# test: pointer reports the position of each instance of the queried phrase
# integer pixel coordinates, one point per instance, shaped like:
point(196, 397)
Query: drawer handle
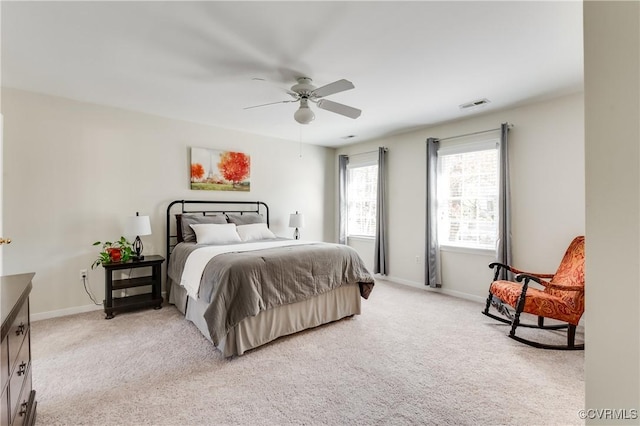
point(23, 408)
point(20, 329)
point(22, 368)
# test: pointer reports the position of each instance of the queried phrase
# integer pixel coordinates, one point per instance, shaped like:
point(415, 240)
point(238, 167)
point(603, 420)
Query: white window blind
point(468, 195)
point(362, 187)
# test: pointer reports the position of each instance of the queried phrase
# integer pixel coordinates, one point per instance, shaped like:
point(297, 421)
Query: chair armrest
point(547, 284)
point(518, 271)
point(534, 274)
point(507, 267)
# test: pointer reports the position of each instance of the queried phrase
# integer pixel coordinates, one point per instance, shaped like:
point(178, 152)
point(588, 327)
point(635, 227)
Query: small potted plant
point(116, 251)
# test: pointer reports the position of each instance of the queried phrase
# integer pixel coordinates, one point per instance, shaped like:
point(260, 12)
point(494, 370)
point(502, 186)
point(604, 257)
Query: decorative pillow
point(245, 218)
point(255, 231)
point(213, 233)
point(185, 220)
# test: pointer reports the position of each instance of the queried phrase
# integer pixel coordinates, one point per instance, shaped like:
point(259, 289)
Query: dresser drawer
point(20, 378)
point(25, 410)
point(17, 332)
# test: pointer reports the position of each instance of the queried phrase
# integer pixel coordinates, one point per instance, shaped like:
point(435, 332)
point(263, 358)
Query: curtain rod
point(474, 133)
point(367, 152)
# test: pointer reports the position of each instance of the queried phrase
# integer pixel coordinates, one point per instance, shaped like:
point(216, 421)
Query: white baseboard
point(397, 280)
point(421, 286)
point(71, 311)
point(64, 312)
point(461, 295)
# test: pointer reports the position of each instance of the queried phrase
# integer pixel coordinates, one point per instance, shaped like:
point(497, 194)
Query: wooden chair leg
point(519, 309)
point(571, 336)
point(486, 308)
point(515, 323)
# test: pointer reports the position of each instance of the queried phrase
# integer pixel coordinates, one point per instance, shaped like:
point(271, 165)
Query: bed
point(243, 287)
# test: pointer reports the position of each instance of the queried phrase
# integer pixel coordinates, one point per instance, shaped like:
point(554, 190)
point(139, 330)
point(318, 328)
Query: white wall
point(547, 187)
point(74, 171)
point(612, 111)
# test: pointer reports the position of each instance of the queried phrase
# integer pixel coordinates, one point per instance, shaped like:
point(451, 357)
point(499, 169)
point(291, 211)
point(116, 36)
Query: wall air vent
point(475, 104)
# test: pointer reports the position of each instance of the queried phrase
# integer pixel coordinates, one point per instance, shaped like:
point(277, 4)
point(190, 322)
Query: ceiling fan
point(304, 91)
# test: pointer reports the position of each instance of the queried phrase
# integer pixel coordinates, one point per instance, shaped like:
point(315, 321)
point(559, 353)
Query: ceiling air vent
point(475, 104)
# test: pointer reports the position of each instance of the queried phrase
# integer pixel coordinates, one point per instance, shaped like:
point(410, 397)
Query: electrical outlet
point(417, 259)
point(83, 274)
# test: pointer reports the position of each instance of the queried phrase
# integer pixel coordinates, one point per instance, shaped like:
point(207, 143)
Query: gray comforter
point(239, 285)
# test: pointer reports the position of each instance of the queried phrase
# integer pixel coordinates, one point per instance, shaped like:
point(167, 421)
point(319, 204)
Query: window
point(362, 187)
point(468, 195)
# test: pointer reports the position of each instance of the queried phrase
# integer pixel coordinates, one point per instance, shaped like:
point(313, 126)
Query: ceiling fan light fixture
point(304, 115)
point(304, 91)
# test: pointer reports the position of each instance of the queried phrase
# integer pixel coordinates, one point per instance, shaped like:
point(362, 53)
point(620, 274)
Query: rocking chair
point(562, 297)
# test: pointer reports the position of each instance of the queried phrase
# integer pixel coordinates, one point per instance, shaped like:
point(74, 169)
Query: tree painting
point(216, 170)
point(197, 171)
point(234, 166)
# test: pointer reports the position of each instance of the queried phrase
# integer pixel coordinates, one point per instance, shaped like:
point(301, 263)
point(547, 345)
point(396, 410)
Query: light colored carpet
point(412, 357)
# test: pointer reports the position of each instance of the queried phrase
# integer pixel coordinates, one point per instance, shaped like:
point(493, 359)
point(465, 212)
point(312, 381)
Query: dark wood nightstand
point(143, 300)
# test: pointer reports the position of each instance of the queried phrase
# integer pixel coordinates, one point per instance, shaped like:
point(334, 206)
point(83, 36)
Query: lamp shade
point(304, 115)
point(138, 225)
point(296, 220)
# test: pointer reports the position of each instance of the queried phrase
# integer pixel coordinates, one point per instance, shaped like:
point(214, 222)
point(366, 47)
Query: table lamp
point(296, 220)
point(138, 225)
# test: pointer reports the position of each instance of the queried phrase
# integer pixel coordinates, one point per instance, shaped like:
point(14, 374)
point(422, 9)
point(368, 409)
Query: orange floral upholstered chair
point(561, 298)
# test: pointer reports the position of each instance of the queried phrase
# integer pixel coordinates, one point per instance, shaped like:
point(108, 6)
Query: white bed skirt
point(273, 323)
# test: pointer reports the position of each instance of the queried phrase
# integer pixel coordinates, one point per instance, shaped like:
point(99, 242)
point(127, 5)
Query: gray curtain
point(380, 254)
point(343, 161)
point(431, 260)
point(503, 249)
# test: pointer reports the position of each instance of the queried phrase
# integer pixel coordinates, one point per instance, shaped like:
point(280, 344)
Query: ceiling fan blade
point(261, 80)
point(294, 95)
point(270, 103)
point(341, 109)
point(331, 88)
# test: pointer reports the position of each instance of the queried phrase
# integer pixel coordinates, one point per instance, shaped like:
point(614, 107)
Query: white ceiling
point(412, 63)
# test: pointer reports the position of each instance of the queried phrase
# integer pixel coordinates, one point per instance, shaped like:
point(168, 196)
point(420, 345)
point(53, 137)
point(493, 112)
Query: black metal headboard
point(211, 207)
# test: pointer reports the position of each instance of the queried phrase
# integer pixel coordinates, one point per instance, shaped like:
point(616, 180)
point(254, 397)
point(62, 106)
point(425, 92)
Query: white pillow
point(255, 231)
point(214, 233)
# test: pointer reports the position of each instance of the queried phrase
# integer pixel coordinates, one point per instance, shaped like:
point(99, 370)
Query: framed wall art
point(216, 170)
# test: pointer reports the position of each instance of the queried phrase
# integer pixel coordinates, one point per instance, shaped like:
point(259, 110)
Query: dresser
point(18, 405)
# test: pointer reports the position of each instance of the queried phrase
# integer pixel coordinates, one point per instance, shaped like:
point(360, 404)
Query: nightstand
point(142, 300)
